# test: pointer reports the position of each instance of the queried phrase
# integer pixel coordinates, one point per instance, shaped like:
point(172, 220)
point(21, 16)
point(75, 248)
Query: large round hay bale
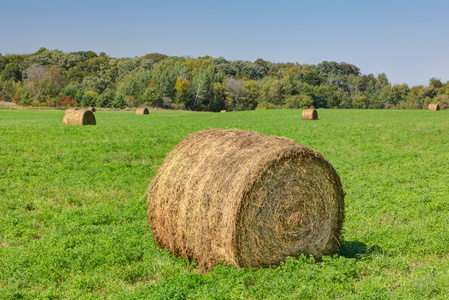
point(309, 114)
point(245, 199)
point(74, 116)
point(434, 107)
point(142, 111)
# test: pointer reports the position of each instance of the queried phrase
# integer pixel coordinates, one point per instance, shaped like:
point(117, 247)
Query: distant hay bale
point(223, 110)
point(309, 114)
point(75, 116)
point(142, 111)
point(434, 107)
point(92, 109)
point(245, 199)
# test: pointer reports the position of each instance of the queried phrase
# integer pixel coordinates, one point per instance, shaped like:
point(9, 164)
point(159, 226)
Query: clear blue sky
point(406, 39)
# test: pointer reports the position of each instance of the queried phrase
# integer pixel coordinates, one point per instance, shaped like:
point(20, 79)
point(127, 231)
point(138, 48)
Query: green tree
point(399, 95)
point(261, 62)
point(298, 101)
point(96, 84)
point(219, 98)
point(386, 97)
point(251, 94)
point(359, 101)
point(328, 69)
point(382, 79)
point(87, 100)
point(435, 82)
point(276, 94)
point(312, 78)
point(119, 102)
point(11, 71)
point(105, 100)
point(201, 88)
point(151, 97)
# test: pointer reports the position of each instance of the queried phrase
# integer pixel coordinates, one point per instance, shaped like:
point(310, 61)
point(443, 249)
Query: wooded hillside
point(57, 79)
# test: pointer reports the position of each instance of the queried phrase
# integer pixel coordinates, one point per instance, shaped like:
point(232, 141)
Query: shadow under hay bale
point(142, 111)
point(434, 107)
point(245, 199)
point(75, 116)
point(309, 114)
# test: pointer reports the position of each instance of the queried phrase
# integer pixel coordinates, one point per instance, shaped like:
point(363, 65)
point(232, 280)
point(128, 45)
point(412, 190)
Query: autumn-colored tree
point(43, 80)
point(155, 56)
point(182, 89)
point(261, 62)
point(349, 69)
point(199, 63)
point(66, 101)
point(203, 83)
point(292, 70)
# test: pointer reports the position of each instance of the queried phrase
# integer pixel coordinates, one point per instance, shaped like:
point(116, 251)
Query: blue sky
point(407, 40)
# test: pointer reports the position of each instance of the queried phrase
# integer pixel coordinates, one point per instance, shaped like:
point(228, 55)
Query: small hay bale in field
point(92, 109)
point(142, 111)
point(245, 199)
point(434, 107)
point(309, 114)
point(224, 110)
point(75, 116)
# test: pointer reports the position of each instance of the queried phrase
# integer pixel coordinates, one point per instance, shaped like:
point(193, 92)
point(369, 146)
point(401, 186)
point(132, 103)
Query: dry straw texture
point(142, 111)
point(434, 107)
point(309, 114)
point(74, 116)
point(245, 199)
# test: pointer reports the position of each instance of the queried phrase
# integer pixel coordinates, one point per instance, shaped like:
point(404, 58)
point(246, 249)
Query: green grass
point(73, 207)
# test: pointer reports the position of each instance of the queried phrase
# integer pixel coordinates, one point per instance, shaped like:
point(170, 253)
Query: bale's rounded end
point(301, 202)
point(75, 116)
point(245, 199)
point(142, 111)
point(309, 114)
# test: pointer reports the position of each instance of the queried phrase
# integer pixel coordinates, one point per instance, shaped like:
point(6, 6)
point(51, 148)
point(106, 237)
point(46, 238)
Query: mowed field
point(73, 207)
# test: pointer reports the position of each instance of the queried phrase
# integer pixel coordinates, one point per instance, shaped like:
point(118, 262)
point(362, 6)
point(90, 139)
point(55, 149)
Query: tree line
point(54, 78)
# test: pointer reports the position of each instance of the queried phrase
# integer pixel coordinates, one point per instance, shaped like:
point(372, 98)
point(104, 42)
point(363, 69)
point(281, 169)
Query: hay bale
point(245, 199)
point(434, 107)
point(223, 111)
point(142, 111)
point(309, 114)
point(75, 116)
point(92, 109)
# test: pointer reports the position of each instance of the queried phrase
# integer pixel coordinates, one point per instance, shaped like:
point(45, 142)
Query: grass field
point(73, 207)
